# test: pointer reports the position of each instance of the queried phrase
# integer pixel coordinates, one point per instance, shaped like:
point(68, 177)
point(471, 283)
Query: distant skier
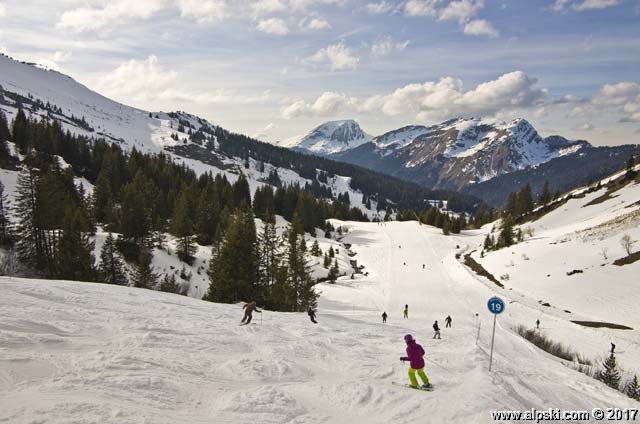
point(538, 324)
point(406, 311)
point(613, 348)
point(404, 263)
point(415, 352)
point(384, 317)
point(447, 321)
point(436, 329)
point(312, 315)
point(422, 266)
point(248, 311)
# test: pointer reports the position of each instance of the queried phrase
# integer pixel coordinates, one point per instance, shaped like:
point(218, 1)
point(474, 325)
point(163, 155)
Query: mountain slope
point(199, 144)
point(331, 137)
point(460, 152)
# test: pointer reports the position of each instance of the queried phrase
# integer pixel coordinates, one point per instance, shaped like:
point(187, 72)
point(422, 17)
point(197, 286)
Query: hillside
point(330, 138)
point(121, 364)
point(195, 142)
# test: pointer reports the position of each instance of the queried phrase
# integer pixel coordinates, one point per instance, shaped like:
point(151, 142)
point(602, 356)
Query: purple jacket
point(415, 352)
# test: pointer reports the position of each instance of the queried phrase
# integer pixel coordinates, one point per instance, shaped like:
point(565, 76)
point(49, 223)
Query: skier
point(613, 348)
point(384, 317)
point(406, 311)
point(422, 266)
point(415, 352)
point(436, 329)
point(248, 311)
point(538, 324)
point(312, 315)
point(404, 263)
point(447, 321)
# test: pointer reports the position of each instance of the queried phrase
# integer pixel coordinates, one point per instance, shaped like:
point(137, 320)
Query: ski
point(408, 386)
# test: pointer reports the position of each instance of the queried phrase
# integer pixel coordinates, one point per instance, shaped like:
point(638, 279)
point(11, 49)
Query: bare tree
point(604, 251)
point(627, 243)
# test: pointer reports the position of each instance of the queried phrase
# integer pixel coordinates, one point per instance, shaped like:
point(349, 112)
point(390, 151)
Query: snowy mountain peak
point(333, 137)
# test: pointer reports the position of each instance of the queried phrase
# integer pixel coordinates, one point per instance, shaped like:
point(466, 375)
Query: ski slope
point(79, 352)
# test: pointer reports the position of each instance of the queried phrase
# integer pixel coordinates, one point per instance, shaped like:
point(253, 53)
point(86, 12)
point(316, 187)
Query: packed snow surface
point(83, 353)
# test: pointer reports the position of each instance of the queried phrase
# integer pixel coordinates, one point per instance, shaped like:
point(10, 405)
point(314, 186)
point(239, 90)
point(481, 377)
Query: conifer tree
point(315, 249)
point(143, 275)
point(111, 269)
point(299, 279)
point(5, 219)
point(29, 244)
point(270, 258)
point(545, 195)
point(327, 261)
point(21, 132)
point(610, 375)
point(633, 388)
point(332, 253)
point(505, 239)
point(334, 272)
point(183, 228)
point(5, 134)
point(74, 259)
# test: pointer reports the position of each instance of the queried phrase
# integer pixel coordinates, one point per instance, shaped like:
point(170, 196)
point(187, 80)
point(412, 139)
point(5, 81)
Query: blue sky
point(276, 68)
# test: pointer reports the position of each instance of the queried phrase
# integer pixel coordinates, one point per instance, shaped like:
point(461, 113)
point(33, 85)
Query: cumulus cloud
point(584, 127)
point(387, 46)
point(339, 56)
point(480, 27)
point(318, 23)
point(203, 11)
point(463, 11)
point(275, 26)
point(624, 97)
point(110, 13)
point(433, 100)
point(3, 10)
point(326, 105)
point(379, 8)
point(264, 7)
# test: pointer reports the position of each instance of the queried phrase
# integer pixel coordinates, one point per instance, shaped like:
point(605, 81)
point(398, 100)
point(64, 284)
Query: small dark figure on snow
point(384, 317)
point(406, 311)
point(404, 263)
point(447, 321)
point(613, 348)
point(538, 324)
point(248, 311)
point(422, 266)
point(312, 315)
point(436, 329)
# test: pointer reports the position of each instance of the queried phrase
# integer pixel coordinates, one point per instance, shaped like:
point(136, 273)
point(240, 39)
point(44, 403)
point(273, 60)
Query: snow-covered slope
point(77, 352)
point(331, 137)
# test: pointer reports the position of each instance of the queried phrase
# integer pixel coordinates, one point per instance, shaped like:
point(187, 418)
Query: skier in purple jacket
point(415, 352)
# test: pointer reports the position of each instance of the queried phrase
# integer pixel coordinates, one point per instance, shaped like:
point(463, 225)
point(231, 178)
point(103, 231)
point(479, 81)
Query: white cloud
point(594, 4)
point(581, 6)
point(623, 97)
point(338, 55)
point(480, 27)
point(421, 8)
point(275, 26)
point(3, 10)
point(326, 105)
point(462, 10)
point(387, 46)
point(203, 11)
point(111, 13)
point(318, 23)
point(264, 7)
point(61, 56)
point(584, 127)
point(379, 8)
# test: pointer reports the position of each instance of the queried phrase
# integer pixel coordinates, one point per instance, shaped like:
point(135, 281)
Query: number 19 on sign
point(496, 306)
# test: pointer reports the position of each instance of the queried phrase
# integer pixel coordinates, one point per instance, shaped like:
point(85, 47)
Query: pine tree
point(505, 239)
point(5, 219)
point(332, 253)
point(488, 243)
point(633, 388)
point(235, 268)
point(334, 272)
point(29, 244)
point(183, 228)
point(269, 259)
point(74, 258)
point(21, 134)
point(111, 268)
point(631, 163)
point(315, 249)
point(610, 375)
point(143, 275)
point(545, 195)
point(299, 279)
point(327, 261)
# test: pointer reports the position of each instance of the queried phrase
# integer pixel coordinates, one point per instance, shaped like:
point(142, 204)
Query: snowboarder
point(312, 315)
point(613, 348)
point(406, 311)
point(447, 321)
point(248, 311)
point(436, 329)
point(384, 317)
point(415, 352)
point(538, 324)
